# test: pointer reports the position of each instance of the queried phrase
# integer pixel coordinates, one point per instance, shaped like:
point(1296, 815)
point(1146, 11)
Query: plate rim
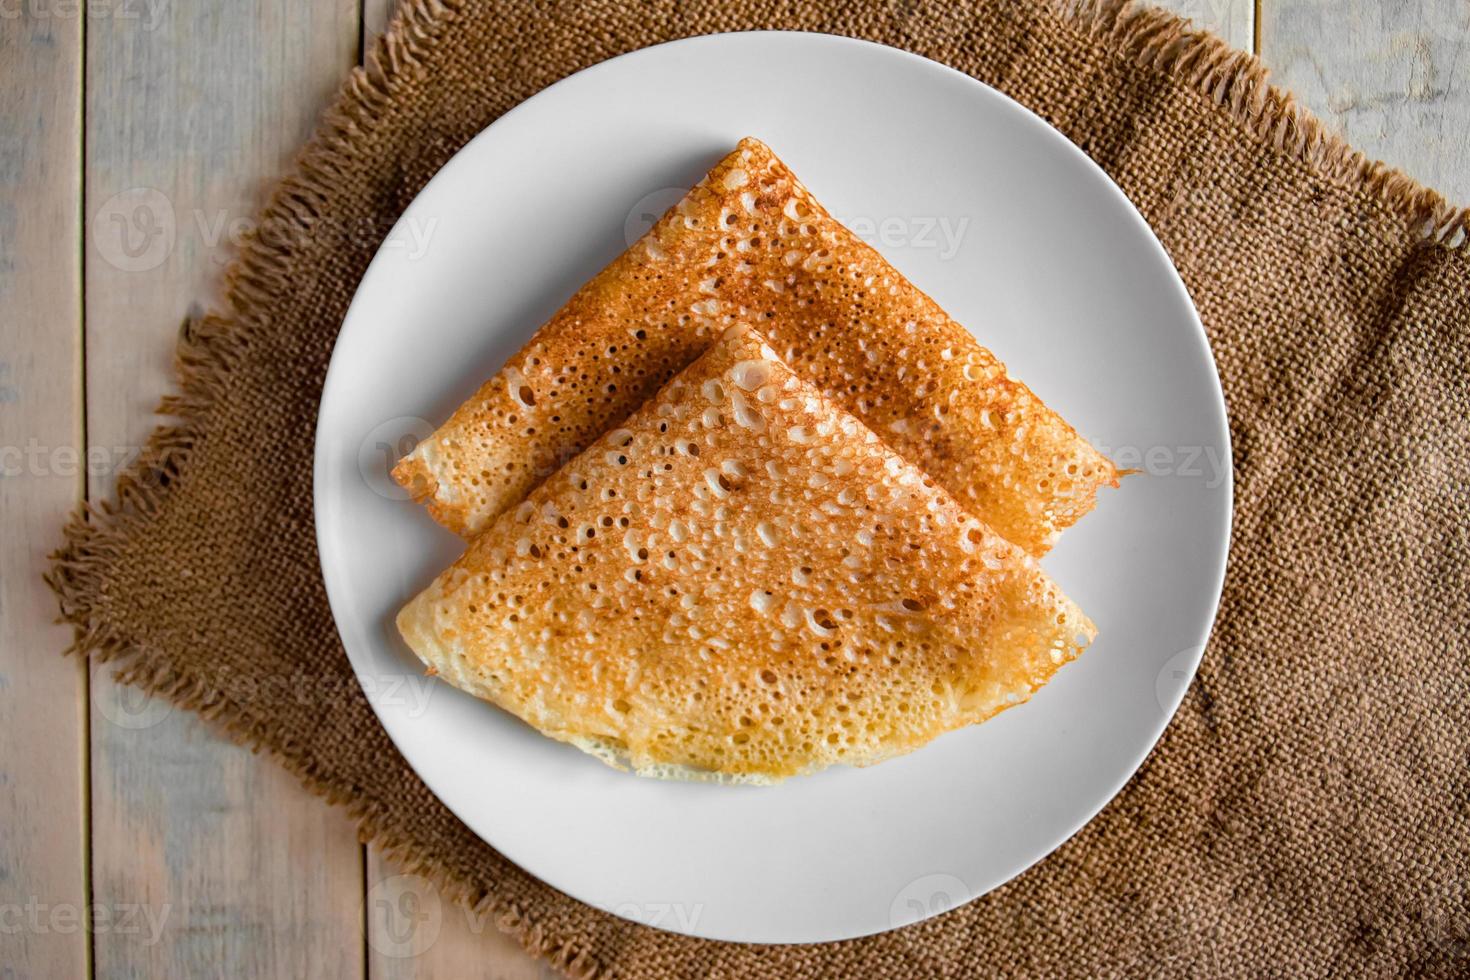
point(1193, 326)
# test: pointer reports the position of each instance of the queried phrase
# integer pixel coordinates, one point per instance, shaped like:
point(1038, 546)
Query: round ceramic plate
point(1015, 233)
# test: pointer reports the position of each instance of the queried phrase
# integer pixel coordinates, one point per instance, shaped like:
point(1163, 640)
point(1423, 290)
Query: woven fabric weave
point(1307, 811)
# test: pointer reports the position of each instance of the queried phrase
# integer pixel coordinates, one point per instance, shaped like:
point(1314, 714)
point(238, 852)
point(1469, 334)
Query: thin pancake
point(750, 244)
point(743, 583)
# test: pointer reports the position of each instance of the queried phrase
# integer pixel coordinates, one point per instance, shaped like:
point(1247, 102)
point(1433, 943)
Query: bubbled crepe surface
point(1307, 809)
point(741, 581)
point(750, 244)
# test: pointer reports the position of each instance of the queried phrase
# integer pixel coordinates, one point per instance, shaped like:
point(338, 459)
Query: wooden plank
point(191, 111)
point(43, 877)
point(1393, 78)
point(1234, 20)
point(414, 932)
point(375, 17)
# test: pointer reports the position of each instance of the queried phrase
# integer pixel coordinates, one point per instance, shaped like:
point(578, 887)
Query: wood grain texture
point(43, 835)
point(414, 933)
point(192, 111)
point(375, 17)
point(1392, 77)
point(1234, 20)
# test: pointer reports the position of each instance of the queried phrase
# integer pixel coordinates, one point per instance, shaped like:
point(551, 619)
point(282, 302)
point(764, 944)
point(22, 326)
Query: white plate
point(1018, 235)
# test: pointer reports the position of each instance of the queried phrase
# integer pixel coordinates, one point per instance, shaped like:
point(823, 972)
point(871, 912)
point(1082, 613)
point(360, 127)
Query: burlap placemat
point(1309, 808)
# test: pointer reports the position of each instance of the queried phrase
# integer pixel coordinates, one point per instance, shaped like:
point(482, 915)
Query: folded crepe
point(749, 244)
point(742, 583)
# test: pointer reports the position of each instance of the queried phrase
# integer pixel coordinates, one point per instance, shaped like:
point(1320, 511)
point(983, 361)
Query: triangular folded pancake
point(743, 583)
point(749, 244)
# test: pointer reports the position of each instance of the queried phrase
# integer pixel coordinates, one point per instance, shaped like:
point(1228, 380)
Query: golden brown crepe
point(743, 583)
point(749, 244)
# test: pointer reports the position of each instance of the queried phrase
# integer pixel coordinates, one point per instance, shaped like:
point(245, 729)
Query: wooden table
point(199, 858)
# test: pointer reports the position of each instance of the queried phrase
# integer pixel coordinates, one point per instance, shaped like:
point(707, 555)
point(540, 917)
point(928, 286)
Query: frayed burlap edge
point(1239, 82)
point(1150, 39)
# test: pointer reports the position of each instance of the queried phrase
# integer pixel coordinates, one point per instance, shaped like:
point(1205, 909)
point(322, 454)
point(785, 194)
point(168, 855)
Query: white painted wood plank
point(192, 111)
point(1234, 20)
point(1393, 77)
point(43, 830)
